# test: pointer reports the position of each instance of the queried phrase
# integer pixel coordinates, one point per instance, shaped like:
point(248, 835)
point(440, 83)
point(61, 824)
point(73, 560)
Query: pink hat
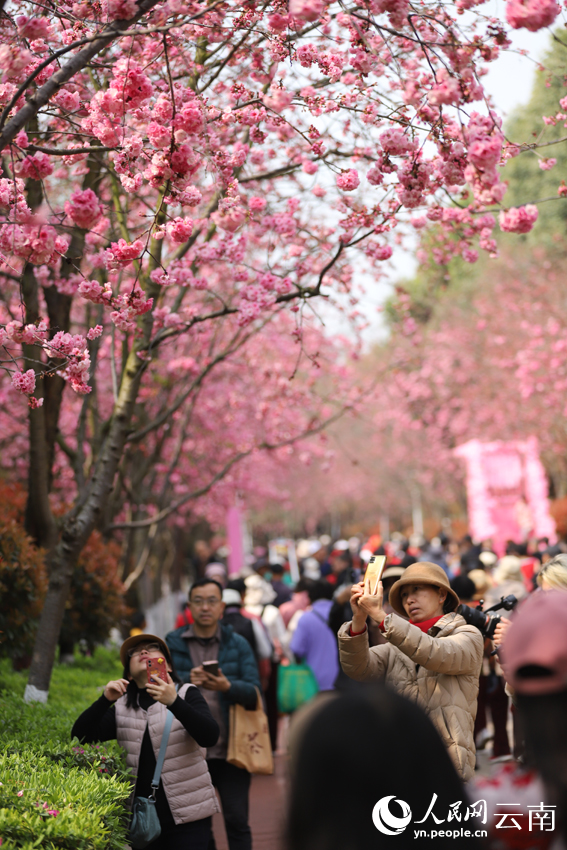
point(534, 651)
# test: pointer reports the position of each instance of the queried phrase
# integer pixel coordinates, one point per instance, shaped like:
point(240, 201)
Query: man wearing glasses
point(232, 679)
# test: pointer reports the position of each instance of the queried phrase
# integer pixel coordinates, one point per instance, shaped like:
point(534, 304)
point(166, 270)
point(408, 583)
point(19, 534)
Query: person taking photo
point(431, 655)
point(133, 711)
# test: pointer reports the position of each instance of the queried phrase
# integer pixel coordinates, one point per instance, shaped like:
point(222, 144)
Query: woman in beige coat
point(434, 659)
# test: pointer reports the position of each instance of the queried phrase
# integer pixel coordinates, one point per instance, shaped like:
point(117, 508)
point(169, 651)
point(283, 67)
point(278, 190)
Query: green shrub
point(23, 580)
point(65, 807)
point(95, 602)
point(73, 688)
point(56, 793)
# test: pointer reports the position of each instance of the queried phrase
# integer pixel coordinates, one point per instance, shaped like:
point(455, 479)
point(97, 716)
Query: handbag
point(249, 744)
point(296, 685)
point(145, 826)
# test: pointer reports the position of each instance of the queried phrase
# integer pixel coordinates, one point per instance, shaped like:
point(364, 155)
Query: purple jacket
point(314, 641)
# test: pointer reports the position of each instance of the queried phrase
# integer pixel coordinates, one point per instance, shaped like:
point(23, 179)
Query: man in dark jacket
point(235, 682)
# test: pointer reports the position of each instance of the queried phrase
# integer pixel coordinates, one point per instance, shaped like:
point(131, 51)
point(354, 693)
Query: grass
point(54, 793)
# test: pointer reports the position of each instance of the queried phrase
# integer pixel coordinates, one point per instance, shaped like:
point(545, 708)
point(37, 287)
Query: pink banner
point(506, 492)
point(235, 536)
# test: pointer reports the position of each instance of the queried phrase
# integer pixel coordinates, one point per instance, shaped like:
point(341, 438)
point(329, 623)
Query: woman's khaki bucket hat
point(133, 641)
point(423, 572)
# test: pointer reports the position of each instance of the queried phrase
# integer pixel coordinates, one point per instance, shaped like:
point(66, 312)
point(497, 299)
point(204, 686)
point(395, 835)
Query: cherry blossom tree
point(181, 177)
point(489, 363)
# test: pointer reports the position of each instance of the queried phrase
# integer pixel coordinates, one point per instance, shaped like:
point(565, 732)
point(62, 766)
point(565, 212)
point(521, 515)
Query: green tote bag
point(296, 685)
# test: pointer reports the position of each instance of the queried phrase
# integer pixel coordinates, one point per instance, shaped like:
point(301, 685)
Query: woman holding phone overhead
point(133, 710)
point(431, 655)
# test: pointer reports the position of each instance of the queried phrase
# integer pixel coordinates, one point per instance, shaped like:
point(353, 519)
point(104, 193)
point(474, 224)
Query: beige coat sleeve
point(358, 660)
point(457, 654)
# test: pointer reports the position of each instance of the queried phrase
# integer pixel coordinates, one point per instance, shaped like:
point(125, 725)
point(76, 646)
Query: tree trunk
point(78, 526)
point(39, 520)
point(45, 647)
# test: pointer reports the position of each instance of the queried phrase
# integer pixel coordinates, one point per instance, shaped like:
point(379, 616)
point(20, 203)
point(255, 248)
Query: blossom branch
point(166, 512)
point(94, 44)
point(235, 345)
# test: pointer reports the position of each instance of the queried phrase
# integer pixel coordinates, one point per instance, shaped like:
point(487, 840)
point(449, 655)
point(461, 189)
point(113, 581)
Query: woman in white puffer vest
point(133, 711)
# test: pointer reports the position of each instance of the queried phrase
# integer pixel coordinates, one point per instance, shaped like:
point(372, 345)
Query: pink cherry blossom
point(191, 196)
point(35, 167)
point(25, 383)
point(531, 14)
point(38, 245)
point(159, 136)
point(397, 10)
point(397, 142)
point(13, 60)
point(22, 139)
point(84, 208)
point(375, 175)
point(485, 152)
point(277, 99)
point(230, 219)
point(184, 161)
point(228, 114)
point(307, 10)
point(518, 219)
point(121, 253)
point(349, 180)
point(32, 28)
point(446, 91)
point(119, 10)
point(93, 291)
point(69, 101)
point(189, 118)
point(309, 167)
point(256, 204)
point(130, 86)
point(278, 22)
point(180, 229)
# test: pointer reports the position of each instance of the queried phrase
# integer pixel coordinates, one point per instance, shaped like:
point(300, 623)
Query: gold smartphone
point(374, 571)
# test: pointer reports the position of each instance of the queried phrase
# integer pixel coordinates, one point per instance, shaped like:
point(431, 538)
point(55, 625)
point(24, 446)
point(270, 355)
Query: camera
point(486, 621)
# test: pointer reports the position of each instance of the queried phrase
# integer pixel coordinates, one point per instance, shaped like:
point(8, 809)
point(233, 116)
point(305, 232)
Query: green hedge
point(55, 793)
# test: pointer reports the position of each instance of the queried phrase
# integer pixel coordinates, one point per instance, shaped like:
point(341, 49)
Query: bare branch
point(141, 565)
point(69, 151)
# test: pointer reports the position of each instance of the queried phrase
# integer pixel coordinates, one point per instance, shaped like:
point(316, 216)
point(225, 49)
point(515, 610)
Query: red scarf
point(426, 624)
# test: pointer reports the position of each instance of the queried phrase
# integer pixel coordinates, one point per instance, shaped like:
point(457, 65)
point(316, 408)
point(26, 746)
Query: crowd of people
point(415, 663)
